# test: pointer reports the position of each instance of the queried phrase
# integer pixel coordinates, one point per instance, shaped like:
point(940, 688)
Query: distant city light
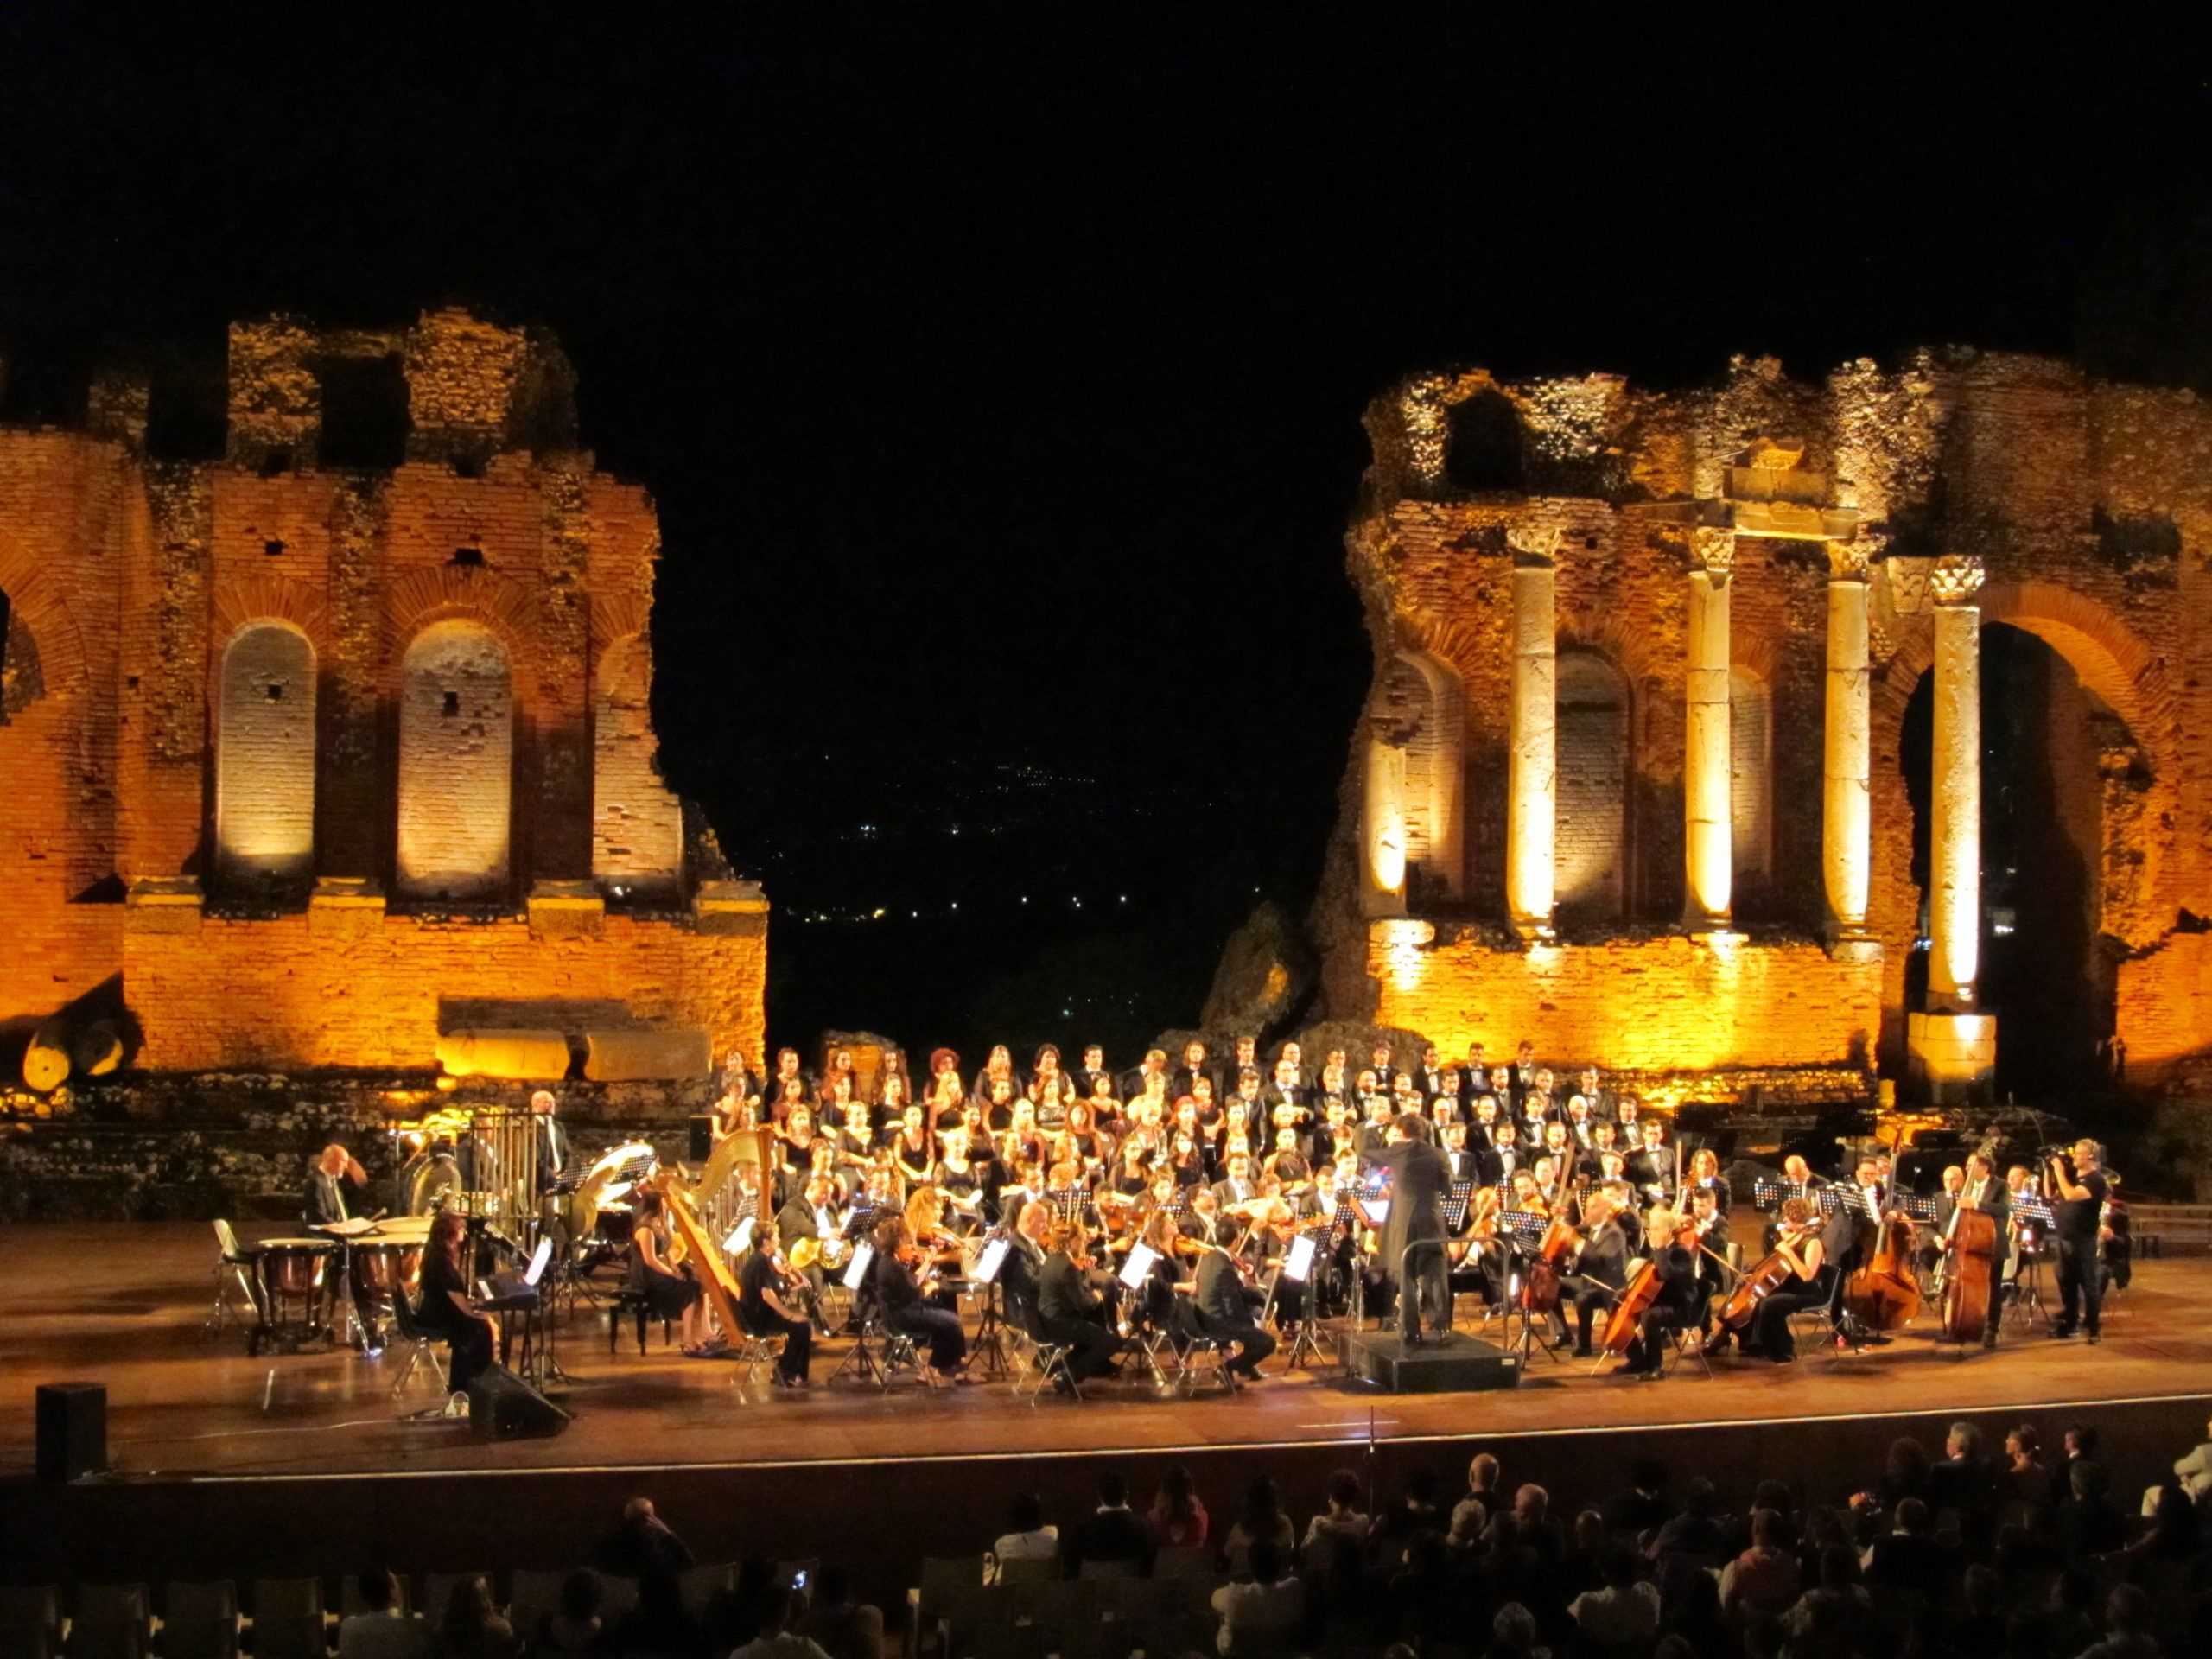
point(878, 912)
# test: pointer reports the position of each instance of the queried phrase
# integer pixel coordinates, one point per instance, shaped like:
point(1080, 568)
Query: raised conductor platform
point(1462, 1366)
point(311, 1454)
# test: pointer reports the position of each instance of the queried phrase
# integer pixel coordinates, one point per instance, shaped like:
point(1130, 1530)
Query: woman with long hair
point(913, 1148)
point(1050, 1089)
point(940, 1343)
point(658, 1272)
point(444, 1308)
point(997, 1069)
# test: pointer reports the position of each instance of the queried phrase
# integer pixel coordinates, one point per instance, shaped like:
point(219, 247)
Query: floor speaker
point(502, 1407)
point(72, 1430)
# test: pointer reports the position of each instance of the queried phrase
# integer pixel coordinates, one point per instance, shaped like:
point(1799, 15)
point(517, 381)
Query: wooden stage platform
point(196, 1422)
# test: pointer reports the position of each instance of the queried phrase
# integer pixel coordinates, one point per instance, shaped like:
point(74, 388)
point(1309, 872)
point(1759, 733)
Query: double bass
point(1972, 1236)
point(1884, 1294)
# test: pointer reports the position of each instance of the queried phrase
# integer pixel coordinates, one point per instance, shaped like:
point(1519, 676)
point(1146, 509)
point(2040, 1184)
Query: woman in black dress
point(658, 1272)
point(445, 1309)
point(936, 1330)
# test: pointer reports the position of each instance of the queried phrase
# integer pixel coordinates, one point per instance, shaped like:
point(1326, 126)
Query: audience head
point(380, 1590)
point(1482, 1473)
point(1113, 1490)
point(1344, 1489)
point(1025, 1513)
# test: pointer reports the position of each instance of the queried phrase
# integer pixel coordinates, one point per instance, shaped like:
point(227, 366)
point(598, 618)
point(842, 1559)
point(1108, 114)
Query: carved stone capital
point(1956, 579)
point(1850, 561)
point(1712, 549)
point(1532, 544)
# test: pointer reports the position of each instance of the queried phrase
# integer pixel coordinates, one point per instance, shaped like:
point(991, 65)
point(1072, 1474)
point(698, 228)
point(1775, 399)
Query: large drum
point(297, 1281)
point(382, 1271)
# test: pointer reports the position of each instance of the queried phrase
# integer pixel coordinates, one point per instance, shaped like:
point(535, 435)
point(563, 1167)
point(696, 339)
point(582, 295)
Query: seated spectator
point(660, 1623)
point(471, 1627)
point(1963, 1481)
point(1904, 1474)
point(1482, 1481)
point(1540, 1530)
point(1261, 1613)
point(1262, 1517)
point(1471, 1520)
point(1643, 1507)
point(1513, 1635)
point(2194, 1471)
point(1908, 1559)
point(643, 1543)
point(1622, 1616)
point(1979, 1627)
point(1579, 1569)
point(840, 1626)
point(1027, 1538)
point(777, 1640)
point(2027, 1476)
point(1342, 1519)
point(1111, 1533)
point(1695, 1533)
point(1416, 1512)
point(1177, 1518)
point(2089, 1522)
point(385, 1630)
point(2127, 1622)
point(575, 1625)
point(1835, 1610)
point(1762, 1582)
point(2071, 1617)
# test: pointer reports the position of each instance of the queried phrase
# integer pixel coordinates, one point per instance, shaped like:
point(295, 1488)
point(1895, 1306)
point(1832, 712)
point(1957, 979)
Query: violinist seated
point(768, 1303)
point(935, 1331)
point(1598, 1271)
point(1810, 1281)
point(1679, 1303)
point(1070, 1311)
point(659, 1274)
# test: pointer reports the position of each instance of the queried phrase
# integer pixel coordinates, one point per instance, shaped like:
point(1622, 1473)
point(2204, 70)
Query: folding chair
point(1048, 1360)
point(753, 1346)
point(421, 1343)
point(233, 1265)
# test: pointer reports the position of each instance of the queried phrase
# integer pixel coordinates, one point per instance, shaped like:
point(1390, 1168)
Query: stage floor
point(124, 1305)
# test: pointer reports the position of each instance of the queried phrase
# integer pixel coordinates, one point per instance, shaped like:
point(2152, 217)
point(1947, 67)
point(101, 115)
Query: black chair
point(420, 1342)
point(1048, 1360)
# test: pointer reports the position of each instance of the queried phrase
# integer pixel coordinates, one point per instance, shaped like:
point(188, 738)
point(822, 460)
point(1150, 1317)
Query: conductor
point(1413, 1237)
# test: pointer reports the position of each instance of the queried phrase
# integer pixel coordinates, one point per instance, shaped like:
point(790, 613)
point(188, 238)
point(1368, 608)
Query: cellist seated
point(1810, 1283)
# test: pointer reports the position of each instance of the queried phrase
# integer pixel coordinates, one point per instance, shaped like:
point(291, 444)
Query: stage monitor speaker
point(702, 1139)
point(502, 1407)
point(72, 1430)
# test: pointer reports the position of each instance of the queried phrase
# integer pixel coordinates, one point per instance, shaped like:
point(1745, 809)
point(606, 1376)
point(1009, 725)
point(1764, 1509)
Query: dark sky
point(998, 371)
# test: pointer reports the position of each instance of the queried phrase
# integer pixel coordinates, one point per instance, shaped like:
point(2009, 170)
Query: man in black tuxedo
point(1070, 1313)
point(334, 1187)
point(1023, 1270)
point(1225, 1313)
point(1600, 1267)
point(1413, 1238)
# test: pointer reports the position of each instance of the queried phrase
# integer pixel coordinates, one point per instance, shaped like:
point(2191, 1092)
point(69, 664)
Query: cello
point(1769, 1276)
point(1540, 1289)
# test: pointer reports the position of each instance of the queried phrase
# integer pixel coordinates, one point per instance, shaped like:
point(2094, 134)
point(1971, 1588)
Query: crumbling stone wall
point(2090, 505)
point(144, 597)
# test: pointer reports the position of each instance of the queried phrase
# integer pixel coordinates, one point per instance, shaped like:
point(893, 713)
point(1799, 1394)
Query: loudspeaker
point(702, 1139)
point(502, 1407)
point(72, 1430)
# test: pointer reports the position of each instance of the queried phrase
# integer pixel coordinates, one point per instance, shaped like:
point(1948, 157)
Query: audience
point(574, 1626)
point(1027, 1538)
point(1111, 1534)
point(1261, 1612)
point(385, 1630)
point(1177, 1518)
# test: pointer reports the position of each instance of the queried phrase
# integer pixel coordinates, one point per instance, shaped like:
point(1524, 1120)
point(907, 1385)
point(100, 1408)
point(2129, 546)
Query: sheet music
point(1298, 1262)
point(1142, 1257)
point(988, 1264)
point(1378, 1211)
point(856, 1269)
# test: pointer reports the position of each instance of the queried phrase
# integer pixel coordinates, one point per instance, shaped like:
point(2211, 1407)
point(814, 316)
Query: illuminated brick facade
point(1632, 781)
point(313, 753)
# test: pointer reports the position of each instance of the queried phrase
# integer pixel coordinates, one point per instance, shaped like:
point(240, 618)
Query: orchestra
point(1245, 1202)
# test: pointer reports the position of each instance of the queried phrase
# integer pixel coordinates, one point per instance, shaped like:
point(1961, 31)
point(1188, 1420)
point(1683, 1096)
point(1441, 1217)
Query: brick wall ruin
point(2084, 512)
point(304, 764)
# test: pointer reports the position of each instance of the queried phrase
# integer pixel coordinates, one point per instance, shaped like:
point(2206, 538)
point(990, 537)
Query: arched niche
point(264, 756)
point(1482, 449)
point(456, 763)
point(1590, 833)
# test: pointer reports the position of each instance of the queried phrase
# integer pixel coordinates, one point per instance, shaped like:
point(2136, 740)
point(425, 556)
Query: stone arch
point(266, 753)
point(2106, 655)
point(446, 593)
point(1484, 445)
point(1590, 839)
point(38, 613)
point(1418, 823)
point(637, 825)
point(456, 762)
point(268, 598)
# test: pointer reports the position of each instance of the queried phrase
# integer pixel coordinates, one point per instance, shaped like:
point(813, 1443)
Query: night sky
point(998, 371)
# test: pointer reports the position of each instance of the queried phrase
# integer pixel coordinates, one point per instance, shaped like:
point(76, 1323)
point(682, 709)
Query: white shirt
point(1249, 1609)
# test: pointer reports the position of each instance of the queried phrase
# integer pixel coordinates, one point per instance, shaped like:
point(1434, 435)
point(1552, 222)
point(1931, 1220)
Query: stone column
point(1954, 841)
point(1847, 818)
point(1533, 779)
point(1707, 803)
